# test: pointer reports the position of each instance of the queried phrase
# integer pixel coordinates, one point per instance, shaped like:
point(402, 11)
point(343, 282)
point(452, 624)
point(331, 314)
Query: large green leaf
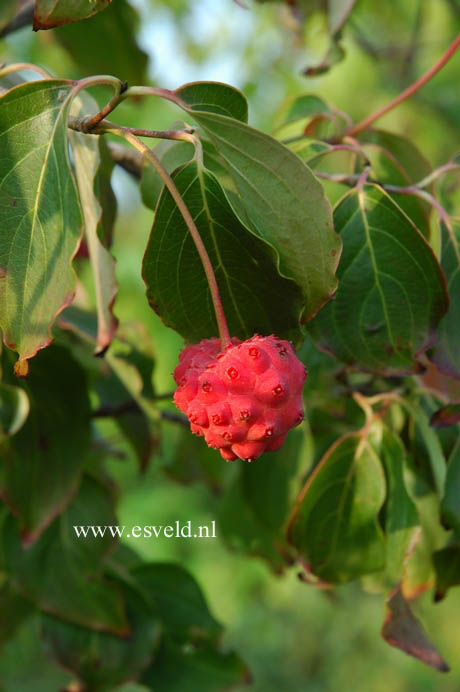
point(200, 668)
point(24, 664)
point(87, 158)
point(40, 218)
point(392, 291)
point(253, 511)
point(446, 353)
point(177, 598)
point(51, 13)
point(255, 297)
point(61, 572)
point(100, 659)
point(42, 463)
point(214, 97)
point(396, 160)
point(106, 44)
point(279, 200)
point(335, 524)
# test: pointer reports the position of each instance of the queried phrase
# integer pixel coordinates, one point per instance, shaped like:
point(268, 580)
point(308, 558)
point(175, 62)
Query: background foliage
point(379, 516)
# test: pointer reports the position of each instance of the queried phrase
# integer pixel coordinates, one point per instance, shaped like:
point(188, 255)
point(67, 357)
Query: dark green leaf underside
point(255, 297)
point(392, 292)
point(282, 202)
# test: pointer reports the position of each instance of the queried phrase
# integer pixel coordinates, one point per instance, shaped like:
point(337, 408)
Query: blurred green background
point(292, 636)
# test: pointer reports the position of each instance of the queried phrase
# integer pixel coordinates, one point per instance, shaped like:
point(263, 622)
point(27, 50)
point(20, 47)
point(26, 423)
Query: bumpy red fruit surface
point(242, 400)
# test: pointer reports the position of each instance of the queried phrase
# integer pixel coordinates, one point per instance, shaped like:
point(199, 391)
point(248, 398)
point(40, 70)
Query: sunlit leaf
point(87, 158)
point(335, 524)
point(41, 223)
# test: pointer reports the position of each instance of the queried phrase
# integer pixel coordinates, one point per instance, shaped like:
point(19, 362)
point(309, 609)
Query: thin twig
point(367, 122)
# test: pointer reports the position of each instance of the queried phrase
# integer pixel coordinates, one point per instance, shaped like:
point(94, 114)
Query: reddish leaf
point(445, 416)
point(402, 630)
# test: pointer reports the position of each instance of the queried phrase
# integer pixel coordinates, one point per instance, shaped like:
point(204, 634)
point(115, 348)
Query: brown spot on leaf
point(3, 272)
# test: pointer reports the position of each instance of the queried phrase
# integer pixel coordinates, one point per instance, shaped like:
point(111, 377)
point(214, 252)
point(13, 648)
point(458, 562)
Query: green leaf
point(200, 668)
point(397, 161)
point(14, 609)
point(60, 573)
point(335, 524)
point(281, 201)
point(252, 513)
point(402, 526)
point(100, 659)
point(42, 463)
point(418, 574)
point(51, 13)
point(404, 631)
point(87, 158)
point(303, 107)
point(447, 567)
point(40, 218)
point(445, 416)
point(450, 505)
point(177, 598)
point(254, 296)
point(24, 665)
point(446, 353)
point(14, 409)
point(214, 97)
point(338, 13)
point(392, 292)
point(107, 44)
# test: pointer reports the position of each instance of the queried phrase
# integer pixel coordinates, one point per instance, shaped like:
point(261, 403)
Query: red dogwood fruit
point(242, 400)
